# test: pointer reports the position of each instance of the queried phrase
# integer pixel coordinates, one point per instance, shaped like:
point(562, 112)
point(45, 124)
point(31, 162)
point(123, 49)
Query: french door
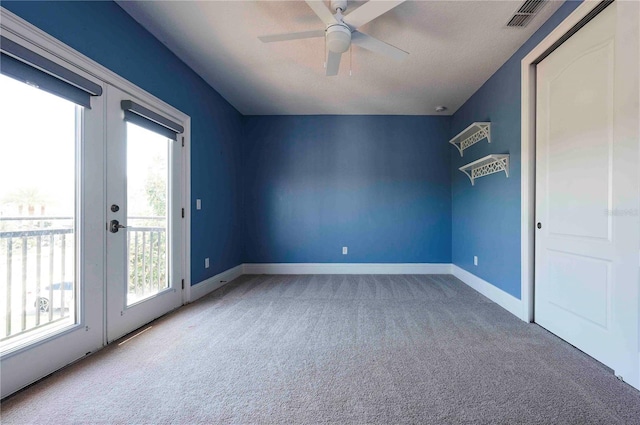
point(92, 179)
point(51, 238)
point(144, 214)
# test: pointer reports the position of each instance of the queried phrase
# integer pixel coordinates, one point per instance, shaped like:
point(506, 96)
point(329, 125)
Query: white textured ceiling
point(454, 46)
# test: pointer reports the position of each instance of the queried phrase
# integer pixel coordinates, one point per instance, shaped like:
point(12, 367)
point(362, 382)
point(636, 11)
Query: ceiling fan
point(341, 31)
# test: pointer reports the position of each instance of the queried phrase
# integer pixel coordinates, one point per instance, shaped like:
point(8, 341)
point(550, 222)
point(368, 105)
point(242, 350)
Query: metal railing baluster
point(23, 313)
point(128, 265)
point(38, 275)
point(135, 262)
point(63, 259)
point(144, 262)
point(151, 270)
point(51, 253)
point(9, 278)
point(158, 260)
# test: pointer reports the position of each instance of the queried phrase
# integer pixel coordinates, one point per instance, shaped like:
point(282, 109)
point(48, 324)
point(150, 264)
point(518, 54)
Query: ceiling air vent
point(525, 14)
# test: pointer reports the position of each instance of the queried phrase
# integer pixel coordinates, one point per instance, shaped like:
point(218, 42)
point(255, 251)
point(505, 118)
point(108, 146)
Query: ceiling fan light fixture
point(338, 38)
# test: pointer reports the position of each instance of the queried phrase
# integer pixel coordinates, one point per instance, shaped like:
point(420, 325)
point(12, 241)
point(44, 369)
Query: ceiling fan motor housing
point(339, 4)
point(338, 38)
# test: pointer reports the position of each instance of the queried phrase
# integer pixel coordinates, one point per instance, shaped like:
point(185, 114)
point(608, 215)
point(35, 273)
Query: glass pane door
point(38, 262)
point(144, 236)
point(147, 186)
point(51, 232)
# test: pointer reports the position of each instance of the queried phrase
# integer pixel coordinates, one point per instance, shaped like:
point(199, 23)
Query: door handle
point(539, 225)
point(114, 226)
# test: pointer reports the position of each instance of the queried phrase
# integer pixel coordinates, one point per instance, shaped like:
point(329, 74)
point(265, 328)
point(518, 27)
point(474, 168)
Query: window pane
point(147, 177)
point(38, 287)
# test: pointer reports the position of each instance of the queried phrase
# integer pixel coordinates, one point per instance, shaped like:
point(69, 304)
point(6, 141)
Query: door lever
point(114, 226)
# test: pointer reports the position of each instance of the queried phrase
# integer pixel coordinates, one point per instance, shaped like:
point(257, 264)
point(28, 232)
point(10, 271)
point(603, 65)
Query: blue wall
point(377, 184)
point(486, 217)
point(108, 35)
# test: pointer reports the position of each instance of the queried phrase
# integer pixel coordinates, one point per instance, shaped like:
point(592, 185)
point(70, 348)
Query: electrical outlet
point(475, 260)
point(198, 204)
point(344, 250)
point(206, 263)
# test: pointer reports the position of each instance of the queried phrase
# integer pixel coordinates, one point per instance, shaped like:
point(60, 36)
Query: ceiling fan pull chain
point(350, 59)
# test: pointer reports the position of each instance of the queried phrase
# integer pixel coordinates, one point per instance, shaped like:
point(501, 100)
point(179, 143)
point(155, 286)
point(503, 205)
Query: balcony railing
point(146, 246)
point(37, 269)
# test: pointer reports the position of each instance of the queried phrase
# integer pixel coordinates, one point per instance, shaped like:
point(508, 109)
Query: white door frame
point(580, 15)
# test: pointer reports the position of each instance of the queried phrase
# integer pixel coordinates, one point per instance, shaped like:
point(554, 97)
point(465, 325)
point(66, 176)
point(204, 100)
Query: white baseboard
point(495, 294)
point(347, 268)
point(209, 285)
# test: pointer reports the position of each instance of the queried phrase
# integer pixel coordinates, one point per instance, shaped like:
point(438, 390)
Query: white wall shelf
point(486, 165)
point(472, 135)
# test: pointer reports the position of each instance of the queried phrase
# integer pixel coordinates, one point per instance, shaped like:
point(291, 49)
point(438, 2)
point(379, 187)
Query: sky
point(37, 144)
point(37, 149)
point(146, 151)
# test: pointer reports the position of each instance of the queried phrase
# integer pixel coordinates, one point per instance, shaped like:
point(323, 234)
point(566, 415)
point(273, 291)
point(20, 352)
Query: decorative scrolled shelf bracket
point(472, 135)
point(489, 164)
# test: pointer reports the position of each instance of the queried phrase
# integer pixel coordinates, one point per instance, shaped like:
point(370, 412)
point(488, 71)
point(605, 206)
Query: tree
point(156, 187)
point(29, 197)
point(151, 276)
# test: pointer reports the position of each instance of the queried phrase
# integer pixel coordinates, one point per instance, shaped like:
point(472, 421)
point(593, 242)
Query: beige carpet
point(334, 349)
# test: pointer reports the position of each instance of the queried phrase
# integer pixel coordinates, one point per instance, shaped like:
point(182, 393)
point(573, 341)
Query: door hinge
point(183, 213)
point(183, 141)
point(182, 283)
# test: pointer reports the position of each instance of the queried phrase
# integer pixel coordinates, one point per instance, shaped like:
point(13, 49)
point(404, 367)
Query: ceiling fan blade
point(322, 11)
point(376, 46)
point(291, 36)
point(370, 11)
point(333, 63)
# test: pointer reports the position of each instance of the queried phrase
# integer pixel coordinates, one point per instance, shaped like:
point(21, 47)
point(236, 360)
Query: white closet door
point(587, 194)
